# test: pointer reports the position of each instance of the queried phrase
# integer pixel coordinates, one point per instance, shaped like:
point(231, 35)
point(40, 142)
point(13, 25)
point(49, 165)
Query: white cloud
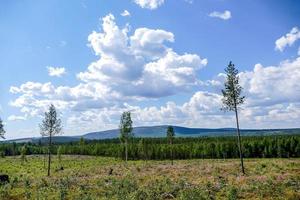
point(288, 40)
point(56, 71)
point(189, 1)
point(62, 43)
point(149, 4)
point(222, 15)
point(125, 13)
point(127, 64)
point(142, 66)
point(16, 118)
point(273, 84)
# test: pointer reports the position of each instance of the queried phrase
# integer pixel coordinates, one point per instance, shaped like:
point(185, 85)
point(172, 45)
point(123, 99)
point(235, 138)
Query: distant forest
point(183, 148)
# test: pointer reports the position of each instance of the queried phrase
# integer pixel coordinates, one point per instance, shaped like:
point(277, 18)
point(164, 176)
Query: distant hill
point(160, 131)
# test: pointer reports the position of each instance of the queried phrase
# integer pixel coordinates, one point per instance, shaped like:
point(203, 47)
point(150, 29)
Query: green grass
point(86, 177)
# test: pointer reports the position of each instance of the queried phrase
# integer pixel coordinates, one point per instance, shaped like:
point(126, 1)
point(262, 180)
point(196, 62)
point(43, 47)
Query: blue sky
point(164, 61)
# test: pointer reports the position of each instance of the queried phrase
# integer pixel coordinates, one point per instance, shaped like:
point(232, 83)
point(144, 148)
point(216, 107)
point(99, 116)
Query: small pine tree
point(2, 131)
point(23, 153)
point(51, 126)
point(141, 148)
point(81, 144)
point(126, 130)
point(232, 98)
point(170, 136)
point(59, 152)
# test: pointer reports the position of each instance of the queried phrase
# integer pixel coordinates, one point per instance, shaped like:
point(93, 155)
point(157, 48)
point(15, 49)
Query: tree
point(81, 144)
point(232, 99)
point(59, 152)
point(126, 130)
point(170, 136)
point(142, 149)
point(2, 131)
point(51, 126)
point(23, 153)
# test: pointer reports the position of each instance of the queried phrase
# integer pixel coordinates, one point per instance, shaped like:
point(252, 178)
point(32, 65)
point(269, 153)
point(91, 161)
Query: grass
point(86, 177)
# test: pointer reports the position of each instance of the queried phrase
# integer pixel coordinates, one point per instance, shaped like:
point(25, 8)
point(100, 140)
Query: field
point(87, 177)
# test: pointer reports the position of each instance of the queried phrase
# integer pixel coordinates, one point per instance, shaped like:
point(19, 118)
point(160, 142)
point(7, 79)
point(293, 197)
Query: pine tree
point(50, 126)
point(126, 131)
point(81, 144)
point(232, 99)
point(170, 136)
point(2, 131)
point(23, 153)
point(59, 152)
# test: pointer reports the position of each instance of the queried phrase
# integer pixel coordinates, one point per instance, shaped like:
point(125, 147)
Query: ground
point(86, 177)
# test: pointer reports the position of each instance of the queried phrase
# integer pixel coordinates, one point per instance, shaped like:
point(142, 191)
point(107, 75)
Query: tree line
point(285, 146)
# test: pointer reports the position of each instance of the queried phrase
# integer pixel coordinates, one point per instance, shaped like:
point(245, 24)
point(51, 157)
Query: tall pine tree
point(232, 99)
point(170, 136)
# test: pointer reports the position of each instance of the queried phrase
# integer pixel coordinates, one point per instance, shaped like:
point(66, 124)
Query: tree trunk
point(126, 151)
point(171, 152)
point(49, 154)
point(239, 139)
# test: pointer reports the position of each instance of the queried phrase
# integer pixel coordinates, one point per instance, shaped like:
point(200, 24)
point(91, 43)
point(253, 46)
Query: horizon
point(164, 61)
point(86, 133)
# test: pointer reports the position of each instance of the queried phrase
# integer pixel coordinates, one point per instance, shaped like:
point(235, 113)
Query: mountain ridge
point(160, 131)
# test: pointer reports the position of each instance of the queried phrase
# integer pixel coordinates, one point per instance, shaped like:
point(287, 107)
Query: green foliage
point(189, 179)
point(2, 131)
point(27, 186)
point(170, 134)
point(125, 126)
point(63, 188)
point(125, 130)
point(50, 126)
point(285, 146)
point(232, 193)
point(23, 153)
point(232, 92)
point(59, 152)
point(170, 137)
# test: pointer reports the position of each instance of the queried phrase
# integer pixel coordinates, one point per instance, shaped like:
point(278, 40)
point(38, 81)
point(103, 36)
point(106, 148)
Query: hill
point(160, 131)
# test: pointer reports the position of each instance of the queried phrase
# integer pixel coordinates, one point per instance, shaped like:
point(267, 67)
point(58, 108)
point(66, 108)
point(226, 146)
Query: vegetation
point(170, 136)
point(23, 153)
point(186, 179)
point(232, 98)
point(50, 127)
point(126, 131)
point(2, 131)
point(285, 146)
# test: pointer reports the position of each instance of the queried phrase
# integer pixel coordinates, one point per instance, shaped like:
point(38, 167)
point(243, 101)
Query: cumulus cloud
point(143, 67)
point(140, 65)
point(149, 4)
point(273, 84)
point(125, 13)
point(222, 15)
point(287, 40)
point(56, 71)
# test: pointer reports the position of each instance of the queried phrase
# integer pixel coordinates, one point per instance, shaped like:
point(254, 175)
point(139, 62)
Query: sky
point(163, 60)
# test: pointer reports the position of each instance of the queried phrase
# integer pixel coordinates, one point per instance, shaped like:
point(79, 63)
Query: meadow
point(95, 177)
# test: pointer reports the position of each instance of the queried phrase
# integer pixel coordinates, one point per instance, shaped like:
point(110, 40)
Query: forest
point(284, 146)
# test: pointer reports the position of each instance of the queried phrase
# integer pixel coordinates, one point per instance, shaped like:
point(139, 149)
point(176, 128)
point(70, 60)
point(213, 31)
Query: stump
point(110, 171)
point(4, 178)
